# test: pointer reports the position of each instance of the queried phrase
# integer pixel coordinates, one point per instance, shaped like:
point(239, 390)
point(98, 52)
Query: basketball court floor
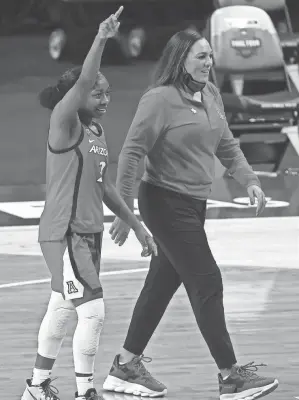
point(259, 262)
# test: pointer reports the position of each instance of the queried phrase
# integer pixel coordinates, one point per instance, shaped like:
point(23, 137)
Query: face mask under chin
point(193, 85)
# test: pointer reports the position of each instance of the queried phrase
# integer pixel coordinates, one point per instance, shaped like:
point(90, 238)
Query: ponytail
point(50, 96)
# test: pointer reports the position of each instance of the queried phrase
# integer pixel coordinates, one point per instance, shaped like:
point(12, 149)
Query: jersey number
point(102, 168)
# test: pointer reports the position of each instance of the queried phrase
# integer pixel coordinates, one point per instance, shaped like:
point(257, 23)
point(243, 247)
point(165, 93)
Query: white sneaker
point(44, 391)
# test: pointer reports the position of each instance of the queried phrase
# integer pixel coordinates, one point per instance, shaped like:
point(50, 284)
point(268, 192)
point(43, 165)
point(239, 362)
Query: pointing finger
point(118, 12)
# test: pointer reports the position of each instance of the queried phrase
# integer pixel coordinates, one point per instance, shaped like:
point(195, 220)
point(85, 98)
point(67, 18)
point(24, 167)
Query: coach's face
point(199, 60)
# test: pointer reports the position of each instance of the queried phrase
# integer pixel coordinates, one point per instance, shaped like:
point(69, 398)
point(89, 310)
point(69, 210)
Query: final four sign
point(246, 44)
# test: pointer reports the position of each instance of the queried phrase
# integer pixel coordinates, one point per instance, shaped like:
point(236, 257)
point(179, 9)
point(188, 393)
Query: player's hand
point(149, 247)
point(109, 27)
point(119, 231)
point(255, 192)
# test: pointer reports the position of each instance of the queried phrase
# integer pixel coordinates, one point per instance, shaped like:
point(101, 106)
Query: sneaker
point(244, 384)
point(133, 378)
point(91, 394)
point(44, 391)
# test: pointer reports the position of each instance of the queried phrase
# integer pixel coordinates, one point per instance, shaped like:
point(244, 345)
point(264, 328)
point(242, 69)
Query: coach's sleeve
point(232, 157)
point(149, 122)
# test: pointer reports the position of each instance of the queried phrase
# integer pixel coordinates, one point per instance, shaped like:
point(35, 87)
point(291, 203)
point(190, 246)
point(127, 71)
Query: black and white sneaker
point(91, 394)
point(44, 391)
point(244, 384)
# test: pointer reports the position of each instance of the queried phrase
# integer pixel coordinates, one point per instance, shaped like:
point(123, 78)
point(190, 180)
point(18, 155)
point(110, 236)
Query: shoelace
point(249, 370)
point(49, 390)
point(141, 368)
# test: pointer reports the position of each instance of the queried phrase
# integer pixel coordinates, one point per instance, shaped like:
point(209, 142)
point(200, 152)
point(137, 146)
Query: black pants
point(184, 256)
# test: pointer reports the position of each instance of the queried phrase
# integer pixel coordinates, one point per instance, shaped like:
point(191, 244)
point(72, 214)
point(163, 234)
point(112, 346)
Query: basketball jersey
point(74, 187)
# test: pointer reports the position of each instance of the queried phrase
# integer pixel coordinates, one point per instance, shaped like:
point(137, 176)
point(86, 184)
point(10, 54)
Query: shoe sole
point(113, 384)
point(251, 394)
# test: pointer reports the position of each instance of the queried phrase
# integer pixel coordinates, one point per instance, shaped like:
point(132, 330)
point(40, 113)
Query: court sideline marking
point(46, 280)
point(290, 227)
point(256, 304)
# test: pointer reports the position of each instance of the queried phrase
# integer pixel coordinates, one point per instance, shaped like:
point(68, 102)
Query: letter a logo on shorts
point(71, 288)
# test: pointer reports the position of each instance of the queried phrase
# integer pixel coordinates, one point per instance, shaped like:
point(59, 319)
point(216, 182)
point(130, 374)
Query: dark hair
point(170, 66)
point(52, 95)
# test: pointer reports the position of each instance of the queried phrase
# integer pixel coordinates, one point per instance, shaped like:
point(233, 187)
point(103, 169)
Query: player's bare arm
point(119, 207)
point(65, 118)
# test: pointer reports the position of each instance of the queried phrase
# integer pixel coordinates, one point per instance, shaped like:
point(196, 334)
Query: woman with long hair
point(180, 127)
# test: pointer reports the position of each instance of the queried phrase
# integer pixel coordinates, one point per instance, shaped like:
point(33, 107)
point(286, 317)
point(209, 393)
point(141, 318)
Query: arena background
point(25, 69)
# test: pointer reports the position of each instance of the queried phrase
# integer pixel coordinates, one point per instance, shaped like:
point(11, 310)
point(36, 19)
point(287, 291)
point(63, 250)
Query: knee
point(91, 316)
point(92, 311)
point(89, 346)
point(57, 316)
point(215, 282)
point(206, 286)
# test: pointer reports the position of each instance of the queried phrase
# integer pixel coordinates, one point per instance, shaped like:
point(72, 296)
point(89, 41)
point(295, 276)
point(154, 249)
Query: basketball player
point(71, 225)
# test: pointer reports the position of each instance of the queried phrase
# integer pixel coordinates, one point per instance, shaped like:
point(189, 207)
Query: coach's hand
point(119, 231)
point(109, 27)
point(149, 247)
point(255, 192)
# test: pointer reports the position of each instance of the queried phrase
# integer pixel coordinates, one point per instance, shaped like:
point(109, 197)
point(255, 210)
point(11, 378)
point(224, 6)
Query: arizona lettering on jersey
point(99, 150)
point(74, 188)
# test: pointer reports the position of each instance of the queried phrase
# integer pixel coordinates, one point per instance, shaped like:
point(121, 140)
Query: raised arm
point(66, 111)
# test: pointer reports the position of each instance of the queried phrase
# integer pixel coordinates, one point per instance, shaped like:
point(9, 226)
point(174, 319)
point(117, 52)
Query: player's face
point(199, 60)
point(99, 98)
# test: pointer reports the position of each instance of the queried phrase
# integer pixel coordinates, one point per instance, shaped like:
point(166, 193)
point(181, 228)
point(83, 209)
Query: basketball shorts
point(74, 264)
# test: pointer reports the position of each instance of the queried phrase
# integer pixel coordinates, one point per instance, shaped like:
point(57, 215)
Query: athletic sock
point(84, 382)
point(39, 376)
